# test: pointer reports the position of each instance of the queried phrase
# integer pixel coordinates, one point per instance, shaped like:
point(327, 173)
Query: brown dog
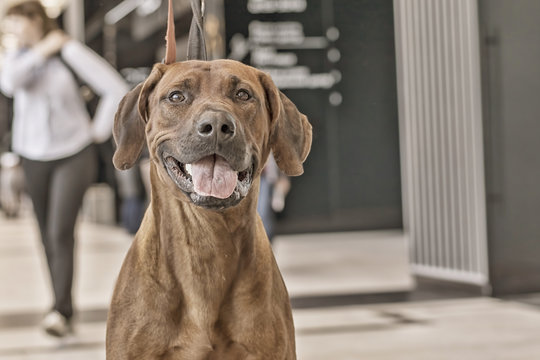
point(200, 280)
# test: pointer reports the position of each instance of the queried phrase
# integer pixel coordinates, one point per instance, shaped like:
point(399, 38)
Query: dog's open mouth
point(210, 182)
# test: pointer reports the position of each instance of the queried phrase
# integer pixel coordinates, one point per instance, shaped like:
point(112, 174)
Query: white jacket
point(50, 118)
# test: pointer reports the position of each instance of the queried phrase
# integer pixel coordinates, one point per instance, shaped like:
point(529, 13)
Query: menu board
point(285, 38)
point(295, 42)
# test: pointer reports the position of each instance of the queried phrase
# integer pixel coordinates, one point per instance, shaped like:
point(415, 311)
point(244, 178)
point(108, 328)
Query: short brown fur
point(201, 283)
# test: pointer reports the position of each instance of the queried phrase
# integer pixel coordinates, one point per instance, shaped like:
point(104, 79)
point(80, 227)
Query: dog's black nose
point(216, 124)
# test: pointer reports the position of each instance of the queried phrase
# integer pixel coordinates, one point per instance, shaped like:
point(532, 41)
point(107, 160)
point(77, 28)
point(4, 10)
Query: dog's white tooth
point(188, 168)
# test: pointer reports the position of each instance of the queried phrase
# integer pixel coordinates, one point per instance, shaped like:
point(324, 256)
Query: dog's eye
point(176, 96)
point(243, 95)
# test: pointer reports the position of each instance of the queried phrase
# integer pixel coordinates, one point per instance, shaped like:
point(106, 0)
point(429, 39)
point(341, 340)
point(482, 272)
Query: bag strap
point(90, 98)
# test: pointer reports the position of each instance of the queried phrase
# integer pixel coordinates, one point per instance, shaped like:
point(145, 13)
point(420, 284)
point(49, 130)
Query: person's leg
point(70, 180)
point(37, 176)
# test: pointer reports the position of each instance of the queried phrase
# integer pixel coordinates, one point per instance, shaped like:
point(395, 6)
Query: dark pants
point(57, 189)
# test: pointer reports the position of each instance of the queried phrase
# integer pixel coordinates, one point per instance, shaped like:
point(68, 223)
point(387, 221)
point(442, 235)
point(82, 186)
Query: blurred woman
point(53, 133)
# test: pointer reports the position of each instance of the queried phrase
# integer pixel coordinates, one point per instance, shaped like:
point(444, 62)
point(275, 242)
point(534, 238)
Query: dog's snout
point(216, 124)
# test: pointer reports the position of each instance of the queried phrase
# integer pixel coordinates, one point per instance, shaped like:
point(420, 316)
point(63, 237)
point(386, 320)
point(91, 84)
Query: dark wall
point(352, 175)
point(368, 137)
point(511, 86)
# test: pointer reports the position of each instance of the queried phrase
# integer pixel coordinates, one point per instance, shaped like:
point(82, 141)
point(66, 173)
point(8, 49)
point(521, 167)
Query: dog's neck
point(236, 226)
point(197, 248)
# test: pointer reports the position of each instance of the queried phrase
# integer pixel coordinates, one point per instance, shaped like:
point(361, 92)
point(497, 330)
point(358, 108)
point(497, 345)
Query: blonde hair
point(34, 10)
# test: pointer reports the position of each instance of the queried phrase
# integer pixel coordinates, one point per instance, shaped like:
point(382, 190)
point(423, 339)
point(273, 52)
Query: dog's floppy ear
point(130, 121)
point(148, 87)
point(128, 130)
point(290, 134)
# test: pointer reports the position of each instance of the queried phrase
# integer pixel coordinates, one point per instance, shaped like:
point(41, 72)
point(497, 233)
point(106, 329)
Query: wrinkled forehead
point(214, 75)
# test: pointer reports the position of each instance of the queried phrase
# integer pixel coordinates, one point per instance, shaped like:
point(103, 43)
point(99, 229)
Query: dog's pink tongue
point(212, 176)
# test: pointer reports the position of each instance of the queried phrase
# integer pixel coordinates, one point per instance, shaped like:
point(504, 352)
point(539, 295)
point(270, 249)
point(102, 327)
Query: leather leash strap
point(196, 44)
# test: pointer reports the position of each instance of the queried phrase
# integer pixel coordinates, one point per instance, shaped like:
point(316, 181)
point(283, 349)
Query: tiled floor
point(312, 265)
point(476, 329)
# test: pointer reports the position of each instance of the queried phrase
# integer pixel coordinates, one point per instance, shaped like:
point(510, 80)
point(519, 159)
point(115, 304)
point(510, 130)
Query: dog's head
point(209, 127)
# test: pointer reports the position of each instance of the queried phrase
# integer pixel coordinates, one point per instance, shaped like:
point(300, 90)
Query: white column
point(440, 119)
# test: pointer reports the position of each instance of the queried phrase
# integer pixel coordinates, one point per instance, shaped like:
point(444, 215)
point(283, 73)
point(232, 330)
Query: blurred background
point(412, 233)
